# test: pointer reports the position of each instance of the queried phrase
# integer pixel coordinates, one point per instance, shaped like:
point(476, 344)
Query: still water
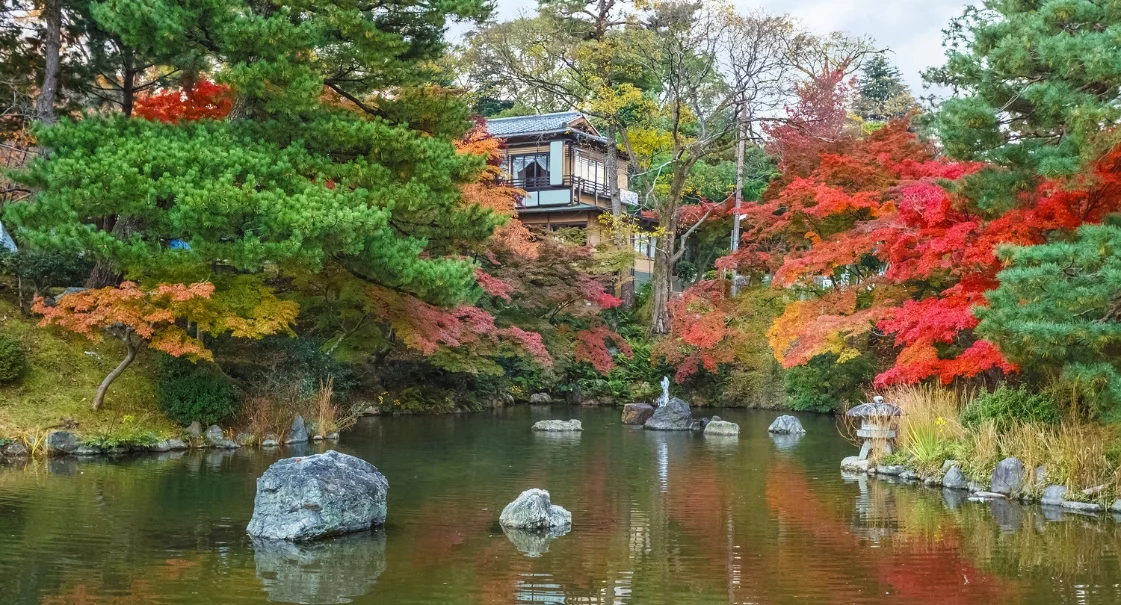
point(658, 518)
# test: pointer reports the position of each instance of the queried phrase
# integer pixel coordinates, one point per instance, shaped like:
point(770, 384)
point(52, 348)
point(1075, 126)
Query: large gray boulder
point(673, 416)
point(722, 428)
point(334, 571)
point(786, 425)
point(312, 497)
point(1008, 477)
point(62, 443)
point(558, 426)
point(540, 398)
point(532, 510)
point(297, 433)
point(637, 413)
point(955, 479)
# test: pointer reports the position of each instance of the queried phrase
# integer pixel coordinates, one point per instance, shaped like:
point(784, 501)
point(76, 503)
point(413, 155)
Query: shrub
point(1007, 407)
point(190, 392)
point(127, 433)
point(12, 360)
point(823, 385)
point(929, 424)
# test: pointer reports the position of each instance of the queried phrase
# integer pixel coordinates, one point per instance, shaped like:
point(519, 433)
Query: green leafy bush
point(12, 360)
point(190, 392)
point(823, 385)
point(1007, 406)
point(45, 269)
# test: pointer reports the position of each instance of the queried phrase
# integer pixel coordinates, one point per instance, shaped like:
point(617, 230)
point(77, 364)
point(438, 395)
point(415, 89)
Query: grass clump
point(127, 432)
point(929, 426)
point(1007, 407)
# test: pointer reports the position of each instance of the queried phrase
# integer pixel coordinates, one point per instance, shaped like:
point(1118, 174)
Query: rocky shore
point(1010, 480)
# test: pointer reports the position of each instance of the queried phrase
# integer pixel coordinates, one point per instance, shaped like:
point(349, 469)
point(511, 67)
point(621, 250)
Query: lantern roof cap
point(878, 407)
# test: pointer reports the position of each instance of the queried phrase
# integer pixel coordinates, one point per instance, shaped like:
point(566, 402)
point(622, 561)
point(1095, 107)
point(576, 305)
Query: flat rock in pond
point(15, 450)
point(786, 425)
point(1008, 477)
point(532, 510)
point(308, 498)
point(1082, 507)
point(675, 415)
point(722, 428)
point(637, 413)
point(557, 426)
point(854, 464)
point(955, 479)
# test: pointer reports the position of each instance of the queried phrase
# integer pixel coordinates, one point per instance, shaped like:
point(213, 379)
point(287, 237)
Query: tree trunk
point(52, 48)
point(741, 144)
point(133, 348)
point(625, 278)
point(664, 256)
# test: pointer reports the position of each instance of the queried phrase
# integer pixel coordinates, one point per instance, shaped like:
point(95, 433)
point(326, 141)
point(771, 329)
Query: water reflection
point(533, 543)
point(332, 571)
point(785, 442)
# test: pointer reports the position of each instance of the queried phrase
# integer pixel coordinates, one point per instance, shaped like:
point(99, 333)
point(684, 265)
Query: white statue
point(665, 391)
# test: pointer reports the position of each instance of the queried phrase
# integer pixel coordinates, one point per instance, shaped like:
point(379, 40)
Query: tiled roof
point(528, 125)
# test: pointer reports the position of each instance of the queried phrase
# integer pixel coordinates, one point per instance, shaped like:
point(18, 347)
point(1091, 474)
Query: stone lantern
point(876, 420)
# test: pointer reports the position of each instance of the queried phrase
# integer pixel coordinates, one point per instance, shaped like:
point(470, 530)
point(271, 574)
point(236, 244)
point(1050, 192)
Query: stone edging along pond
point(60, 443)
point(1008, 483)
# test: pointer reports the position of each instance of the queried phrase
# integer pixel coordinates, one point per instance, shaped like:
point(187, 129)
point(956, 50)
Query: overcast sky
point(910, 28)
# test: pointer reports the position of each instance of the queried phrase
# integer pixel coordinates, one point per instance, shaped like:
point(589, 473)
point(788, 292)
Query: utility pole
point(741, 145)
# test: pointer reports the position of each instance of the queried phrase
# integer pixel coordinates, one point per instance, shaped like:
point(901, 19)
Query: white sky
point(910, 28)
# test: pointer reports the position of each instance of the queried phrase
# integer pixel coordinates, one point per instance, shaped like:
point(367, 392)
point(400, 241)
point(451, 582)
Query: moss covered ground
point(63, 371)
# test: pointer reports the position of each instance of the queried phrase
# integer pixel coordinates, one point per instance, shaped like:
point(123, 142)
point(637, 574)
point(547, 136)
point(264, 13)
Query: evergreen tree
point(881, 94)
point(1036, 87)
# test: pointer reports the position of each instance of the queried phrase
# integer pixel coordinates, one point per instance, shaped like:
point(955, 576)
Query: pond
point(658, 518)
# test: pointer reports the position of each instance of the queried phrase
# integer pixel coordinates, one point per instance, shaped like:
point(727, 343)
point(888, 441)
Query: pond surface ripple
point(657, 518)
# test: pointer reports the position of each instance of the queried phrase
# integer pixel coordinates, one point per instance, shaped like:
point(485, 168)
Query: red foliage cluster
point(469, 330)
point(592, 347)
point(875, 227)
point(203, 100)
point(707, 329)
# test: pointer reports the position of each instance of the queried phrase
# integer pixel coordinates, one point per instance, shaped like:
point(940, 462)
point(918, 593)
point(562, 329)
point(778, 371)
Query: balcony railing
point(575, 183)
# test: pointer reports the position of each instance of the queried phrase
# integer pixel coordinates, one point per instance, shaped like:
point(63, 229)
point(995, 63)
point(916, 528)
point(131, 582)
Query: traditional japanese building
point(559, 160)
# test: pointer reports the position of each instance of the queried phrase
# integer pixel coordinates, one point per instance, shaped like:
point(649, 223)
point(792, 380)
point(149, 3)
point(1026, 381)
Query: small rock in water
point(61, 443)
point(333, 436)
point(909, 475)
point(160, 446)
point(313, 497)
point(673, 416)
point(955, 479)
point(15, 450)
point(988, 496)
point(532, 510)
point(854, 464)
point(270, 440)
point(721, 428)
point(1008, 477)
point(1116, 506)
point(786, 425)
point(540, 398)
point(89, 450)
point(891, 470)
point(176, 444)
point(558, 426)
point(1082, 507)
point(216, 438)
point(637, 413)
point(1053, 495)
point(297, 433)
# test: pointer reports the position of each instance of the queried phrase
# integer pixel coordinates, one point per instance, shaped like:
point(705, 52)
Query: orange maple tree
point(158, 318)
